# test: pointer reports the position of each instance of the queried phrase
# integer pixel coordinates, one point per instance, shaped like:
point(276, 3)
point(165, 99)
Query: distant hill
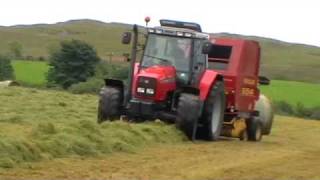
point(280, 60)
point(39, 38)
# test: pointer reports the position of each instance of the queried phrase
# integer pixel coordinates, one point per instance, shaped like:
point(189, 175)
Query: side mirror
point(206, 48)
point(126, 38)
point(264, 80)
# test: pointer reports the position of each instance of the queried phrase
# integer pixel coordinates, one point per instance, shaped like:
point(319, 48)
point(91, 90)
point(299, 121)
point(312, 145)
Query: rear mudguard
point(118, 84)
point(207, 81)
point(114, 83)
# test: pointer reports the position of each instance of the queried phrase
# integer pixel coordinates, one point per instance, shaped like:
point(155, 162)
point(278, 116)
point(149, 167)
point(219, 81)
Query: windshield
point(167, 50)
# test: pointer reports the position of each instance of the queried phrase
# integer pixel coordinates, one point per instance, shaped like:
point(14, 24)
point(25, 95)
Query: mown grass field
point(53, 135)
point(293, 92)
point(42, 125)
point(280, 60)
point(31, 72)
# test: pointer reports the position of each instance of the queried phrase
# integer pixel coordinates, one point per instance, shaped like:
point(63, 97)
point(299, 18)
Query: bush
point(93, 85)
point(6, 69)
point(16, 50)
point(29, 57)
point(316, 113)
point(112, 70)
point(74, 62)
point(104, 70)
point(302, 111)
point(284, 108)
point(41, 58)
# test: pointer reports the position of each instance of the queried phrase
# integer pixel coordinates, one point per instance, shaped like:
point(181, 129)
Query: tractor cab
point(172, 61)
point(176, 44)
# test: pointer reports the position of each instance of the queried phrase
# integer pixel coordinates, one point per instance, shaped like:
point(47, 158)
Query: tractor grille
point(146, 87)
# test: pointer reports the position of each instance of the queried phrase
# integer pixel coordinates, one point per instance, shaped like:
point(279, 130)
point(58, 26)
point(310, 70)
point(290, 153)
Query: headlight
point(150, 91)
point(179, 33)
point(188, 34)
point(146, 86)
point(140, 90)
point(159, 31)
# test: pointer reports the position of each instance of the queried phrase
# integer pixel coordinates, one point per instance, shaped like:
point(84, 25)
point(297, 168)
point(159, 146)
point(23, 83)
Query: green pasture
point(31, 72)
point(293, 92)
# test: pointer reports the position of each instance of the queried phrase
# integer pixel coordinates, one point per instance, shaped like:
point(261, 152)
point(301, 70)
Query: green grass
point(280, 60)
point(42, 125)
point(34, 72)
point(31, 72)
point(293, 92)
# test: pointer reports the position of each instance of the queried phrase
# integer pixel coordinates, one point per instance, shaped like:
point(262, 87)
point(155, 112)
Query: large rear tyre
point(109, 104)
point(188, 114)
point(254, 129)
point(214, 111)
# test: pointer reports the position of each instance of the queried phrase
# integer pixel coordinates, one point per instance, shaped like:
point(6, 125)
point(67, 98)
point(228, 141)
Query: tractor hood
point(154, 82)
point(159, 72)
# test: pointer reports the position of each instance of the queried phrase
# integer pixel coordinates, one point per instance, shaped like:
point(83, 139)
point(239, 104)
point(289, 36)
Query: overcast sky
point(288, 20)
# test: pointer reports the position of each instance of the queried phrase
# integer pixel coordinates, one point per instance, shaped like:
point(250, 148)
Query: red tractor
point(207, 86)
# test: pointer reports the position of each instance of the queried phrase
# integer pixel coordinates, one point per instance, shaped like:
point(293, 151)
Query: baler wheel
point(214, 111)
point(109, 104)
point(254, 129)
point(244, 136)
point(188, 114)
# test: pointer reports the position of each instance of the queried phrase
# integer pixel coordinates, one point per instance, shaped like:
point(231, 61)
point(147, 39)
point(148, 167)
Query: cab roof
point(181, 24)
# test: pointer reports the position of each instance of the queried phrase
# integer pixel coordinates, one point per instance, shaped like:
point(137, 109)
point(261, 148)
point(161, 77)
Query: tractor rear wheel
point(214, 111)
point(109, 104)
point(188, 114)
point(254, 129)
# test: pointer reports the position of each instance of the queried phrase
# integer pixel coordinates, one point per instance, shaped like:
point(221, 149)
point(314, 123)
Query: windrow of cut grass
point(43, 125)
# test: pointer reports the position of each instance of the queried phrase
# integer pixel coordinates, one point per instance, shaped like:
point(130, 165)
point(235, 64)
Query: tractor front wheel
point(109, 104)
point(188, 114)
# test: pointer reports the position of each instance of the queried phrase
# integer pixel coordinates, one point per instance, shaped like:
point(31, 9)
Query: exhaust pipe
point(132, 64)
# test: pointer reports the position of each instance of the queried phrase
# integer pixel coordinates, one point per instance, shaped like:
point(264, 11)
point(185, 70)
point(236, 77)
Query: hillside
point(53, 135)
point(280, 60)
point(38, 39)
